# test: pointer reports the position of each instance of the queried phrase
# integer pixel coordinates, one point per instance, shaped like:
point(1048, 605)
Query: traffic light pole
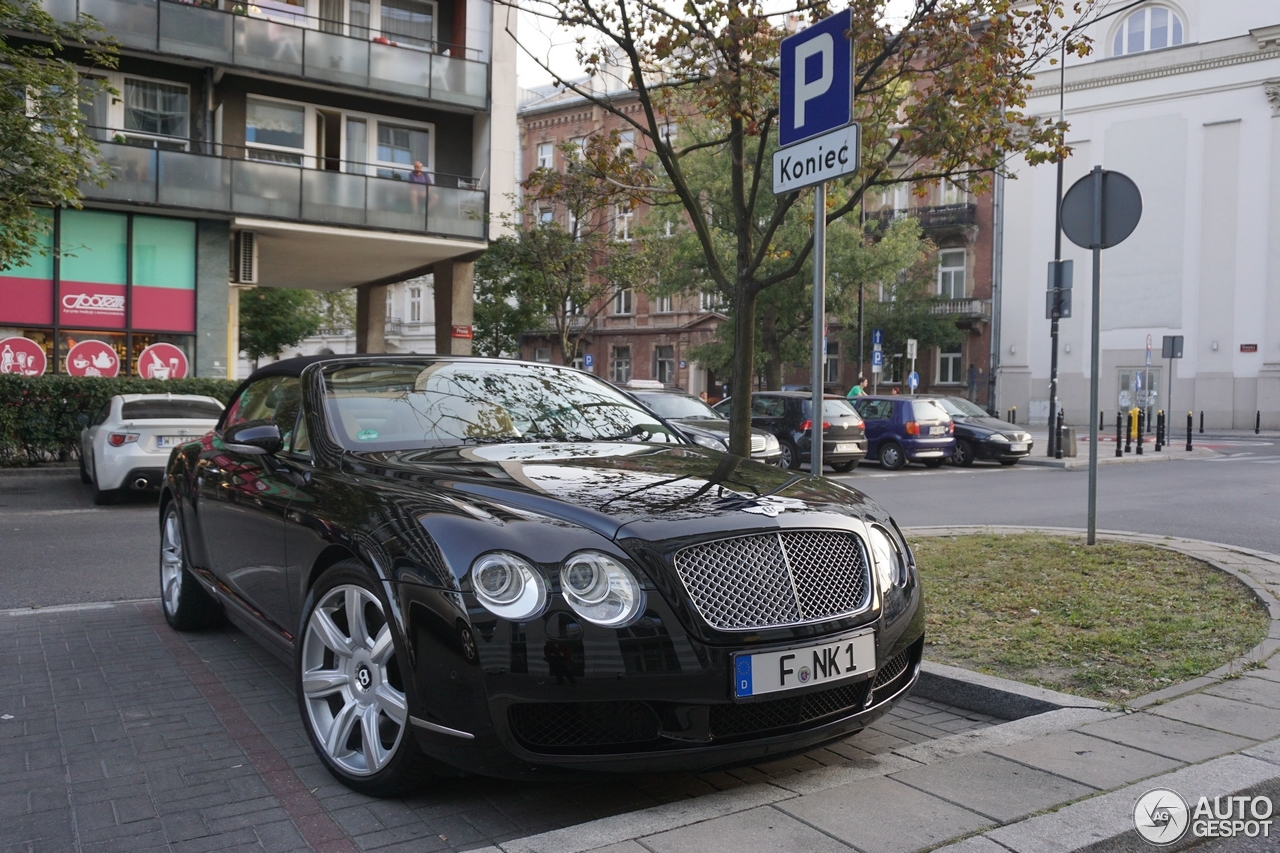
point(1056, 283)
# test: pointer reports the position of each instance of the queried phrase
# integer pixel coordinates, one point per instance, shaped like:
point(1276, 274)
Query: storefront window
point(94, 268)
point(161, 363)
point(91, 362)
point(26, 288)
point(164, 274)
point(19, 357)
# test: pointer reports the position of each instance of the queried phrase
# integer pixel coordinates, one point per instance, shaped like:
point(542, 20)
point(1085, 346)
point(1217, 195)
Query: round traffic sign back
point(1121, 210)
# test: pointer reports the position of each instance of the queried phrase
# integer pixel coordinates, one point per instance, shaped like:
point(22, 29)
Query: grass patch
point(1114, 621)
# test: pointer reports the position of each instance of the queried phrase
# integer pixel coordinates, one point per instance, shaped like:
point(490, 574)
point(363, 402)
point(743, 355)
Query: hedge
point(38, 413)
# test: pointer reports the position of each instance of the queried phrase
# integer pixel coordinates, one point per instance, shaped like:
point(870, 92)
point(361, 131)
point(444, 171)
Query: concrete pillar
point(455, 305)
point(216, 303)
point(371, 318)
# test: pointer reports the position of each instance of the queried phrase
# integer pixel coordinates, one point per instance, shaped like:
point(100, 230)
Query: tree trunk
point(744, 345)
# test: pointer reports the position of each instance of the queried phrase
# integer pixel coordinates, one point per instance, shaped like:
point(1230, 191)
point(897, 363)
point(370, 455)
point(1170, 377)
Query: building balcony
point(933, 220)
point(965, 309)
point(271, 40)
point(266, 190)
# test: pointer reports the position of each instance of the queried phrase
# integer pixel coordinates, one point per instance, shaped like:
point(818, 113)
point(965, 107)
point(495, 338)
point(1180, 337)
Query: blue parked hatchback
point(906, 429)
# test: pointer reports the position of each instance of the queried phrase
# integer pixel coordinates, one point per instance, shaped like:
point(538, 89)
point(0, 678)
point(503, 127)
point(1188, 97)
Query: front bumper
point(1000, 450)
point(530, 700)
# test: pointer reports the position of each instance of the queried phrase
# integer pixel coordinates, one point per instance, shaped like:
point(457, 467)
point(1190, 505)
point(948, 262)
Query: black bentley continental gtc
point(513, 569)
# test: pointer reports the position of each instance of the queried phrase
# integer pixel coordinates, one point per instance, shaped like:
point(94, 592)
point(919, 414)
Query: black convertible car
point(513, 569)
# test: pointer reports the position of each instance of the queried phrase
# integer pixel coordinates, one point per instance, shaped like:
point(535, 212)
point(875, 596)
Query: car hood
point(990, 424)
point(657, 492)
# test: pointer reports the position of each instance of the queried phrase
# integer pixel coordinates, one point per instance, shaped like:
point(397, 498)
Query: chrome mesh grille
point(774, 579)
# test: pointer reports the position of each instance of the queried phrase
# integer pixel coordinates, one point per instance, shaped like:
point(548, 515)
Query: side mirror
point(82, 420)
point(254, 438)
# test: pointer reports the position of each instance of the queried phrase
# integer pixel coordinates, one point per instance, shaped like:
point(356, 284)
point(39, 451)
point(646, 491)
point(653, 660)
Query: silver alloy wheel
point(171, 563)
point(356, 712)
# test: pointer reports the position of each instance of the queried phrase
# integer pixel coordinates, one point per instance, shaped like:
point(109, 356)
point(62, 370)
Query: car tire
point(186, 604)
point(844, 467)
point(101, 496)
point(933, 463)
point(790, 457)
point(349, 682)
point(963, 455)
point(84, 472)
point(891, 456)
point(1010, 461)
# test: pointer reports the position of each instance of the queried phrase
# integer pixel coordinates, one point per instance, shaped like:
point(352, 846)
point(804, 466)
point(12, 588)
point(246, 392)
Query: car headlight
point(708, 441)
point(891, 565)
point(600, 589)
point(998, 437)
point(771, 443)
point(1026, 436)
point(508, 586)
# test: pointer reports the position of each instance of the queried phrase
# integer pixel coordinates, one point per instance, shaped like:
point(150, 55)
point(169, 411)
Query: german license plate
point(846, 447)
point(165, 441)
point(937, 430)
point(1017, 448)
point(771, 672)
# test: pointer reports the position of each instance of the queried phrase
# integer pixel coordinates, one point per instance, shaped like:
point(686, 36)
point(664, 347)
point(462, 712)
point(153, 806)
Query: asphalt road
point(56, 547)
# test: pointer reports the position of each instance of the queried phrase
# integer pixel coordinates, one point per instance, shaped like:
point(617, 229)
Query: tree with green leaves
point(559, 272)
point(938, 91)
point(272, 318)
point(45, 152)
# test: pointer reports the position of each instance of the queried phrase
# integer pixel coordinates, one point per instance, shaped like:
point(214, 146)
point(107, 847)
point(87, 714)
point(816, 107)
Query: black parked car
point(507, 568)
point(980, 436)
point(704, 424)
point(786, 414)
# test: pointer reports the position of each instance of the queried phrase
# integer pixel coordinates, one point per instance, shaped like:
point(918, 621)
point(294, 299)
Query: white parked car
point(127, 443)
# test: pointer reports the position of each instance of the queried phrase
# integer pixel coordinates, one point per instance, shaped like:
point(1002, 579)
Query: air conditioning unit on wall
point(244, 259)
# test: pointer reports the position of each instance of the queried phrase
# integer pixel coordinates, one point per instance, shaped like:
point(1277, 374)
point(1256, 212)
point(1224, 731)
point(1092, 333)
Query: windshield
point(832, 408)
point(961, 408)
point(448, 404)
point(679, 406)
point(152, 410)
point(928, 410)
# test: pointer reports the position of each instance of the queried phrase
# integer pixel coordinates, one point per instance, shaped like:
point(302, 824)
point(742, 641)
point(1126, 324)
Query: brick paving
point(126, 736)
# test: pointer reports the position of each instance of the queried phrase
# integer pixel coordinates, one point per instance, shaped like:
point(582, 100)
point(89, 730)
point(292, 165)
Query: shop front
point(105, 294)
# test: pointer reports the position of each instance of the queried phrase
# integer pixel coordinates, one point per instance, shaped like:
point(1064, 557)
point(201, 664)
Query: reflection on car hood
point(665, 491)
point(992, 424)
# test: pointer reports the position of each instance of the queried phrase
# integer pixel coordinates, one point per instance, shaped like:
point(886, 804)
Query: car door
point(243, 501)
point(877, 416)
point(768, 413)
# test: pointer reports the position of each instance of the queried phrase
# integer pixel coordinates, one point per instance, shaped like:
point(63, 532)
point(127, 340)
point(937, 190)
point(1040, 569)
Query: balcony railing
point(297, 46)
point(276, 190)
point(963, 307)
point(935, 217)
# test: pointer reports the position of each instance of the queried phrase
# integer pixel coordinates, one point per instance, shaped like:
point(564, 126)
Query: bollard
point(1257, 422)
point(1119, 440)
point(1128, 432)
point(1202, 421)
point(1142, 418)
point(1102, 420)
point(1159, 430)
point(1057, 451)
point(1188, 430)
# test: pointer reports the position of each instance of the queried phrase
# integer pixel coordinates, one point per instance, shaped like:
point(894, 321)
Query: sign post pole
point(1095, 327)
point(819, 322)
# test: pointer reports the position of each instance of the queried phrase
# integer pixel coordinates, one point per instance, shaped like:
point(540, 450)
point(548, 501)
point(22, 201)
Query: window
point(542, 354)
point(953, 192)
point(574, 230)
point(357, 145)
point(831, 373)
point(579, 142)
point(275, 131)
point(415, 305)
point(388, 303)
point(664, 364)
point(667, 134)
point(620, 365)
point(546, 216)
point(768, 407)
point(626, 142)
point(708, 301)
point(402, 146)
point(624, 301)
point(663, 305)
point(546, 155)
point(622, 215)
point(274, 399)
point(949, 371)
point(409, 21)
point(1147, 29)
point(160, 109)
point(951, 274)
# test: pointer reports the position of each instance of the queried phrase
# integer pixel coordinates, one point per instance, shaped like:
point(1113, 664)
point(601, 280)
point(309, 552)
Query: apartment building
point(321, 144)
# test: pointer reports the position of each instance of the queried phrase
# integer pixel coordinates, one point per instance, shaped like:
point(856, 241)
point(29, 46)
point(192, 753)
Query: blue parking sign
point(816, 80)
point(588, 361)
point(877, 358)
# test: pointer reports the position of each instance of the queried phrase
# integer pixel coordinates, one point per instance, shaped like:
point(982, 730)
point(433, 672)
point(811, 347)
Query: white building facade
point(1184, 98)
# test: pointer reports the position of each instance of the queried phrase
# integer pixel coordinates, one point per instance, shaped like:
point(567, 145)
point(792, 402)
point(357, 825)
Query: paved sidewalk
point(1059, 781)
point(117, 733)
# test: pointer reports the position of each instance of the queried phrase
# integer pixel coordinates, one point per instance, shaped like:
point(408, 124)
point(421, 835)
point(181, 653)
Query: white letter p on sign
point(808, 90)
